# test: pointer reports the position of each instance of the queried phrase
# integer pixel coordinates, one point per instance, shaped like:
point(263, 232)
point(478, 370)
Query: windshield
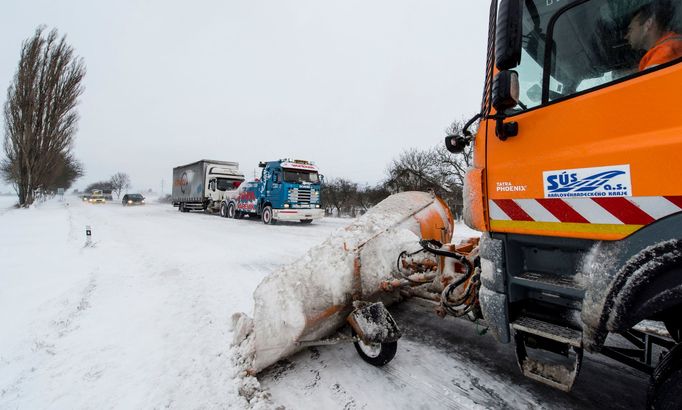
point(228, 184)
point(589, 44)
point(301, 176)
point(135, 196)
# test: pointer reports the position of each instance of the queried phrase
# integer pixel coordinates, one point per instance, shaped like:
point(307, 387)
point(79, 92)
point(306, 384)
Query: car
point(97, 197)
point(132, 199)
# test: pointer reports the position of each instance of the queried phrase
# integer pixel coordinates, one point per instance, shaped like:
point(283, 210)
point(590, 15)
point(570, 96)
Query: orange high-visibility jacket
point(667, 48)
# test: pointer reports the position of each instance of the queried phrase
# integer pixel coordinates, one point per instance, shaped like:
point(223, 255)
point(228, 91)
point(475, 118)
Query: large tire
point(182, 207)
point(223, 210)
point(377, 354)
point(665, 388)
point(232, 211)
point(267, 216)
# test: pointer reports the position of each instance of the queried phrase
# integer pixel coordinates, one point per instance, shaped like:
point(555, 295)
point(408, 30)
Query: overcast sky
point(348, 84)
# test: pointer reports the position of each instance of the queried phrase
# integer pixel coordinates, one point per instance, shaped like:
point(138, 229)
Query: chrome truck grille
point(300, 195)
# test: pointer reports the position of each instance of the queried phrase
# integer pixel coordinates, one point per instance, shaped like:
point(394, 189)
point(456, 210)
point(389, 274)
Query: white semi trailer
point(201, 185)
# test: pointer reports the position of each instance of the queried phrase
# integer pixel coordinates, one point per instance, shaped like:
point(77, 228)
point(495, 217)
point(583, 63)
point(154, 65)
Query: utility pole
point(161, 187)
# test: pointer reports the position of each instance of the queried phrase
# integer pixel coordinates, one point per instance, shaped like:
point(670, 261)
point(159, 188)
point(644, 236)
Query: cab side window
point(601, 41)
point(573, 47)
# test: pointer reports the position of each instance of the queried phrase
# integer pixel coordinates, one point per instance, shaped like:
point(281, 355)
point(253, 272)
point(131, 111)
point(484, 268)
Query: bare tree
point(100, 185)
point(368, 196)
point(119, 182)
point(415, 170)
point(432, 169)
point(40, 113)
point(339, 194)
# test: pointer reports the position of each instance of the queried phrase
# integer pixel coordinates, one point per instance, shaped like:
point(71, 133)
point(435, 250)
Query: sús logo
point(588, 182)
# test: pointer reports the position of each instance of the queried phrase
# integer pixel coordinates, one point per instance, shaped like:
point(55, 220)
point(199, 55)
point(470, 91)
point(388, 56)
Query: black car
point(132, 199)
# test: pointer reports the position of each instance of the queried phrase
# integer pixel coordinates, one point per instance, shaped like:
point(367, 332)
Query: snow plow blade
point(313, 297)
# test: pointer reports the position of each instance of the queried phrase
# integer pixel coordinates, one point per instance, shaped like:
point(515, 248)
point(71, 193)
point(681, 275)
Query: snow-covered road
point(141, 320)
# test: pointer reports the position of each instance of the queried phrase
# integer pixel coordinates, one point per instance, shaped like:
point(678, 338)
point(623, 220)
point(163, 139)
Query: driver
point(651, 30)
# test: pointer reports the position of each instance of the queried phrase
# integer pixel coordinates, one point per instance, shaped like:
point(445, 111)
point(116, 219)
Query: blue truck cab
point(288, 190)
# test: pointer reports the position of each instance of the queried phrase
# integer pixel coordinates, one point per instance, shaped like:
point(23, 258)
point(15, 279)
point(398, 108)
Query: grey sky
point(348, 84)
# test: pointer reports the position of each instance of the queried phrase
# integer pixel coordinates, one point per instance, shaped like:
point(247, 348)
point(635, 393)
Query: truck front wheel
point(267, 215)
point(223, 210)
point(665, 389)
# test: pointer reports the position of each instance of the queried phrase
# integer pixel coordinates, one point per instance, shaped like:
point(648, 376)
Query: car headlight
point(317, 205)
point(286, 205)
point(130, 202)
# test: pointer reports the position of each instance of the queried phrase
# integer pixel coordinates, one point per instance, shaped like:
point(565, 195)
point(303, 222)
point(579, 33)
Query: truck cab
point(574, 185)
point(202, 185)
point(218, 182)
point(288, 190)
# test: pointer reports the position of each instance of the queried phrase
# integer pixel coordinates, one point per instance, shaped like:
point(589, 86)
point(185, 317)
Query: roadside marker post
point(88, 235)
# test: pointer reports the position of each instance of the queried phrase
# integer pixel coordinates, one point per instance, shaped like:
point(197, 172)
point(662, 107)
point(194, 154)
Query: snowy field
point(141, 320)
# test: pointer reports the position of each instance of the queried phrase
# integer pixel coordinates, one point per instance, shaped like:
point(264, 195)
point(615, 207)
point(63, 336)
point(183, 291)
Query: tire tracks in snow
point(434, 391)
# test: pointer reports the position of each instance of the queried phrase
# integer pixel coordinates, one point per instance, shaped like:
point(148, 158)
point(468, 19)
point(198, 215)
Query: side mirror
point(505, 90)
point(456, 143)
point(508, 34)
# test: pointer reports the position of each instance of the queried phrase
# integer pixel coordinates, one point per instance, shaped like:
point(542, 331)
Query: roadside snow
point(139, 320)
point(142, 320)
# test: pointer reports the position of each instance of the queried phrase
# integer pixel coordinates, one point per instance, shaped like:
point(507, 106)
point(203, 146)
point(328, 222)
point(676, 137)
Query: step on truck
point(575, 184)
point(201, 185)
point(288, 190)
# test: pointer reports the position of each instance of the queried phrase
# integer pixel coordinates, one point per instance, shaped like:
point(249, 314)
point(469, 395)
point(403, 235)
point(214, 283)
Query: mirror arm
point(457, 143)
point(504, 130)
point(465, 130)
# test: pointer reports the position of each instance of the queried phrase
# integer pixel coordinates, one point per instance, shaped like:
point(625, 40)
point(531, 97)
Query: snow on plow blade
point(312, 297)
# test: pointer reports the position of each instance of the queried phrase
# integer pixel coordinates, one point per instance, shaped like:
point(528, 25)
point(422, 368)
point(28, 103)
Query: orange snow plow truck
point(577, 186)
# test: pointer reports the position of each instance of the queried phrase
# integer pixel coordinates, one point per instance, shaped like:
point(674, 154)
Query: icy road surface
point(141, 320)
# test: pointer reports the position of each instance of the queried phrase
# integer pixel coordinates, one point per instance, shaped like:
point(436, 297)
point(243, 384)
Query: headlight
point(130, 202)
point(317, 206)
point(286, 205)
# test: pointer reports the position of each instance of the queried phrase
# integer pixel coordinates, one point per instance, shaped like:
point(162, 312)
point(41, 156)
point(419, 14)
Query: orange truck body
point(637, 123)
point(576, 187)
